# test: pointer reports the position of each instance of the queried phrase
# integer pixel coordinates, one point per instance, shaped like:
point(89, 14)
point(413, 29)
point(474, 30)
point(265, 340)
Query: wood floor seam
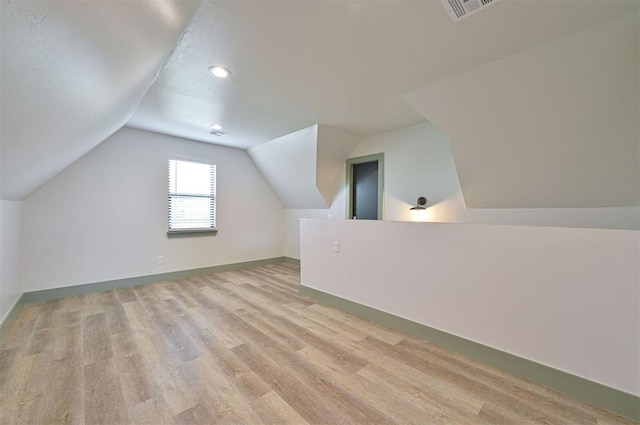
point(244, 347)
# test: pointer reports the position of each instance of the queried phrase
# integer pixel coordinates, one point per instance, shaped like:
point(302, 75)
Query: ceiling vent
point(459, 9)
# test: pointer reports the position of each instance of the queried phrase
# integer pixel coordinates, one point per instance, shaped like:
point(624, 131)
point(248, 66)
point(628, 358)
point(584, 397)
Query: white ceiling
point(74, 72)
point(339, 63)
point(554, 126)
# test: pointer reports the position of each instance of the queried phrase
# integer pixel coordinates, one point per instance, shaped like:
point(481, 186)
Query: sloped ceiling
point(343, 64)
point(289, 165)
point(72, 74)
point(332, 150)
point(553, 126)
point(302, 167)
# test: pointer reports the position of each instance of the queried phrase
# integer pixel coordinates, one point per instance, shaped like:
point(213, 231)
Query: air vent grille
point(459, 9)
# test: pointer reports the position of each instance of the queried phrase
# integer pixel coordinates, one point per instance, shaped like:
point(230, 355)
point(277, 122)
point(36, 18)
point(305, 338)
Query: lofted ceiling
point(339, 63)
point(74, 72)
point(554, 126)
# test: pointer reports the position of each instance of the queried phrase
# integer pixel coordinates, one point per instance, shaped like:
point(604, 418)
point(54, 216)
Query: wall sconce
point(419, 212)
point(422, 201)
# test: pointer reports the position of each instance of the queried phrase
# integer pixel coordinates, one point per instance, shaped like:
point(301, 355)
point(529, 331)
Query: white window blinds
point(192, 196)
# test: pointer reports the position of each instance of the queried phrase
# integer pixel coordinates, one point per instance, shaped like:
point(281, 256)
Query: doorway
point(365, 177)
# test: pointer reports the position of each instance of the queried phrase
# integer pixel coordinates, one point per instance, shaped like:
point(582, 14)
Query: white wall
point(333, 150)
point(292, 219)
point(105, 217)
point(418, 162)
point(567, 298)
point(10, 288)
point(553, 126)
point(301, 167)
point(292, 216)
point(289, 164)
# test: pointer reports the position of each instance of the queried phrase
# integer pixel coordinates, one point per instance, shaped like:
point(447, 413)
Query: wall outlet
point(160, 260)
point(336, 246)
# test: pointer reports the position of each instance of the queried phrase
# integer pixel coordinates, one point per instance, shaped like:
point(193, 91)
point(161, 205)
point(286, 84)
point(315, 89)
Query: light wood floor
point(241, 347)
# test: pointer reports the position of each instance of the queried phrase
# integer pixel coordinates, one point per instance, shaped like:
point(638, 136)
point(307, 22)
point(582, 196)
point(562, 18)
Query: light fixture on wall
point(419, 212)
point(420, 205)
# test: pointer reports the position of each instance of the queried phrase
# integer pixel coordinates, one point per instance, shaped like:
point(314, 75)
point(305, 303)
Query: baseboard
point(11, 315)
point(290, 260)
point(69, 291)
point(591, 392)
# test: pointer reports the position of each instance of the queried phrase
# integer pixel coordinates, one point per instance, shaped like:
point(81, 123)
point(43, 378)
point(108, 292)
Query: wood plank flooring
point(242, 347)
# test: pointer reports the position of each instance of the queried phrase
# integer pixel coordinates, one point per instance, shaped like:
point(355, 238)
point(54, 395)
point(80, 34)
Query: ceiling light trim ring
point(219, 71)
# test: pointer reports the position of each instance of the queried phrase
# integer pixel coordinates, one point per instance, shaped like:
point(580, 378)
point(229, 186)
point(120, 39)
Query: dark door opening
point(364, 179)
point(365, 191)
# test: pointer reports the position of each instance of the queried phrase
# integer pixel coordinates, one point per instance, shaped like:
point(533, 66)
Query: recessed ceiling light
point(219, 71)
point(216, 127)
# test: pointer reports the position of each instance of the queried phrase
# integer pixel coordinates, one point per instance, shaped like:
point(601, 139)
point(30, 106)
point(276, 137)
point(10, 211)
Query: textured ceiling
point(343, 64)
point(74, 72)
point(554, 126)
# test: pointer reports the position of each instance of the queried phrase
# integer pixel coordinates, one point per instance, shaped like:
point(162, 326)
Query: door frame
point(377, 157)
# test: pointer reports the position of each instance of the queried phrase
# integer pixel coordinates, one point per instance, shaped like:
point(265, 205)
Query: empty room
point(320, 212)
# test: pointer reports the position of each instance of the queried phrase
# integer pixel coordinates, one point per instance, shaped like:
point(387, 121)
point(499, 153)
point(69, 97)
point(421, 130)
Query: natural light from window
point(192, 193)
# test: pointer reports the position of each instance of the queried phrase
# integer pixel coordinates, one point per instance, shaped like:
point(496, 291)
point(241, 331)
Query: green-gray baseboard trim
point(69, 291)
point(294, 261)
point(591, 392)
point(11, 315)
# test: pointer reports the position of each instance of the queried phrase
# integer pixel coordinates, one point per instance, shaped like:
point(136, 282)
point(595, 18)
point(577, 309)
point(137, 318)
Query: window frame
point(196, 230)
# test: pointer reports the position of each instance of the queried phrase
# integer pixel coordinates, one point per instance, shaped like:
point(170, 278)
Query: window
point(192, 196)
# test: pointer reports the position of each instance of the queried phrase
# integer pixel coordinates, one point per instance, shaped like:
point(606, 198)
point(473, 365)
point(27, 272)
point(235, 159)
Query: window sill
point(190, 232)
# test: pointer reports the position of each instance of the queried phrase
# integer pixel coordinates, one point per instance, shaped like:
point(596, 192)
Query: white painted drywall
point(564, 297)
point(306, 170)
point(333, 149)
point(554, 126)
point(338, 210)
point(302, 166)
point(419, 162)
point(10, 288)
point(289, 164)
point(105, 217)
point(72, 74)
point(292, 219)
